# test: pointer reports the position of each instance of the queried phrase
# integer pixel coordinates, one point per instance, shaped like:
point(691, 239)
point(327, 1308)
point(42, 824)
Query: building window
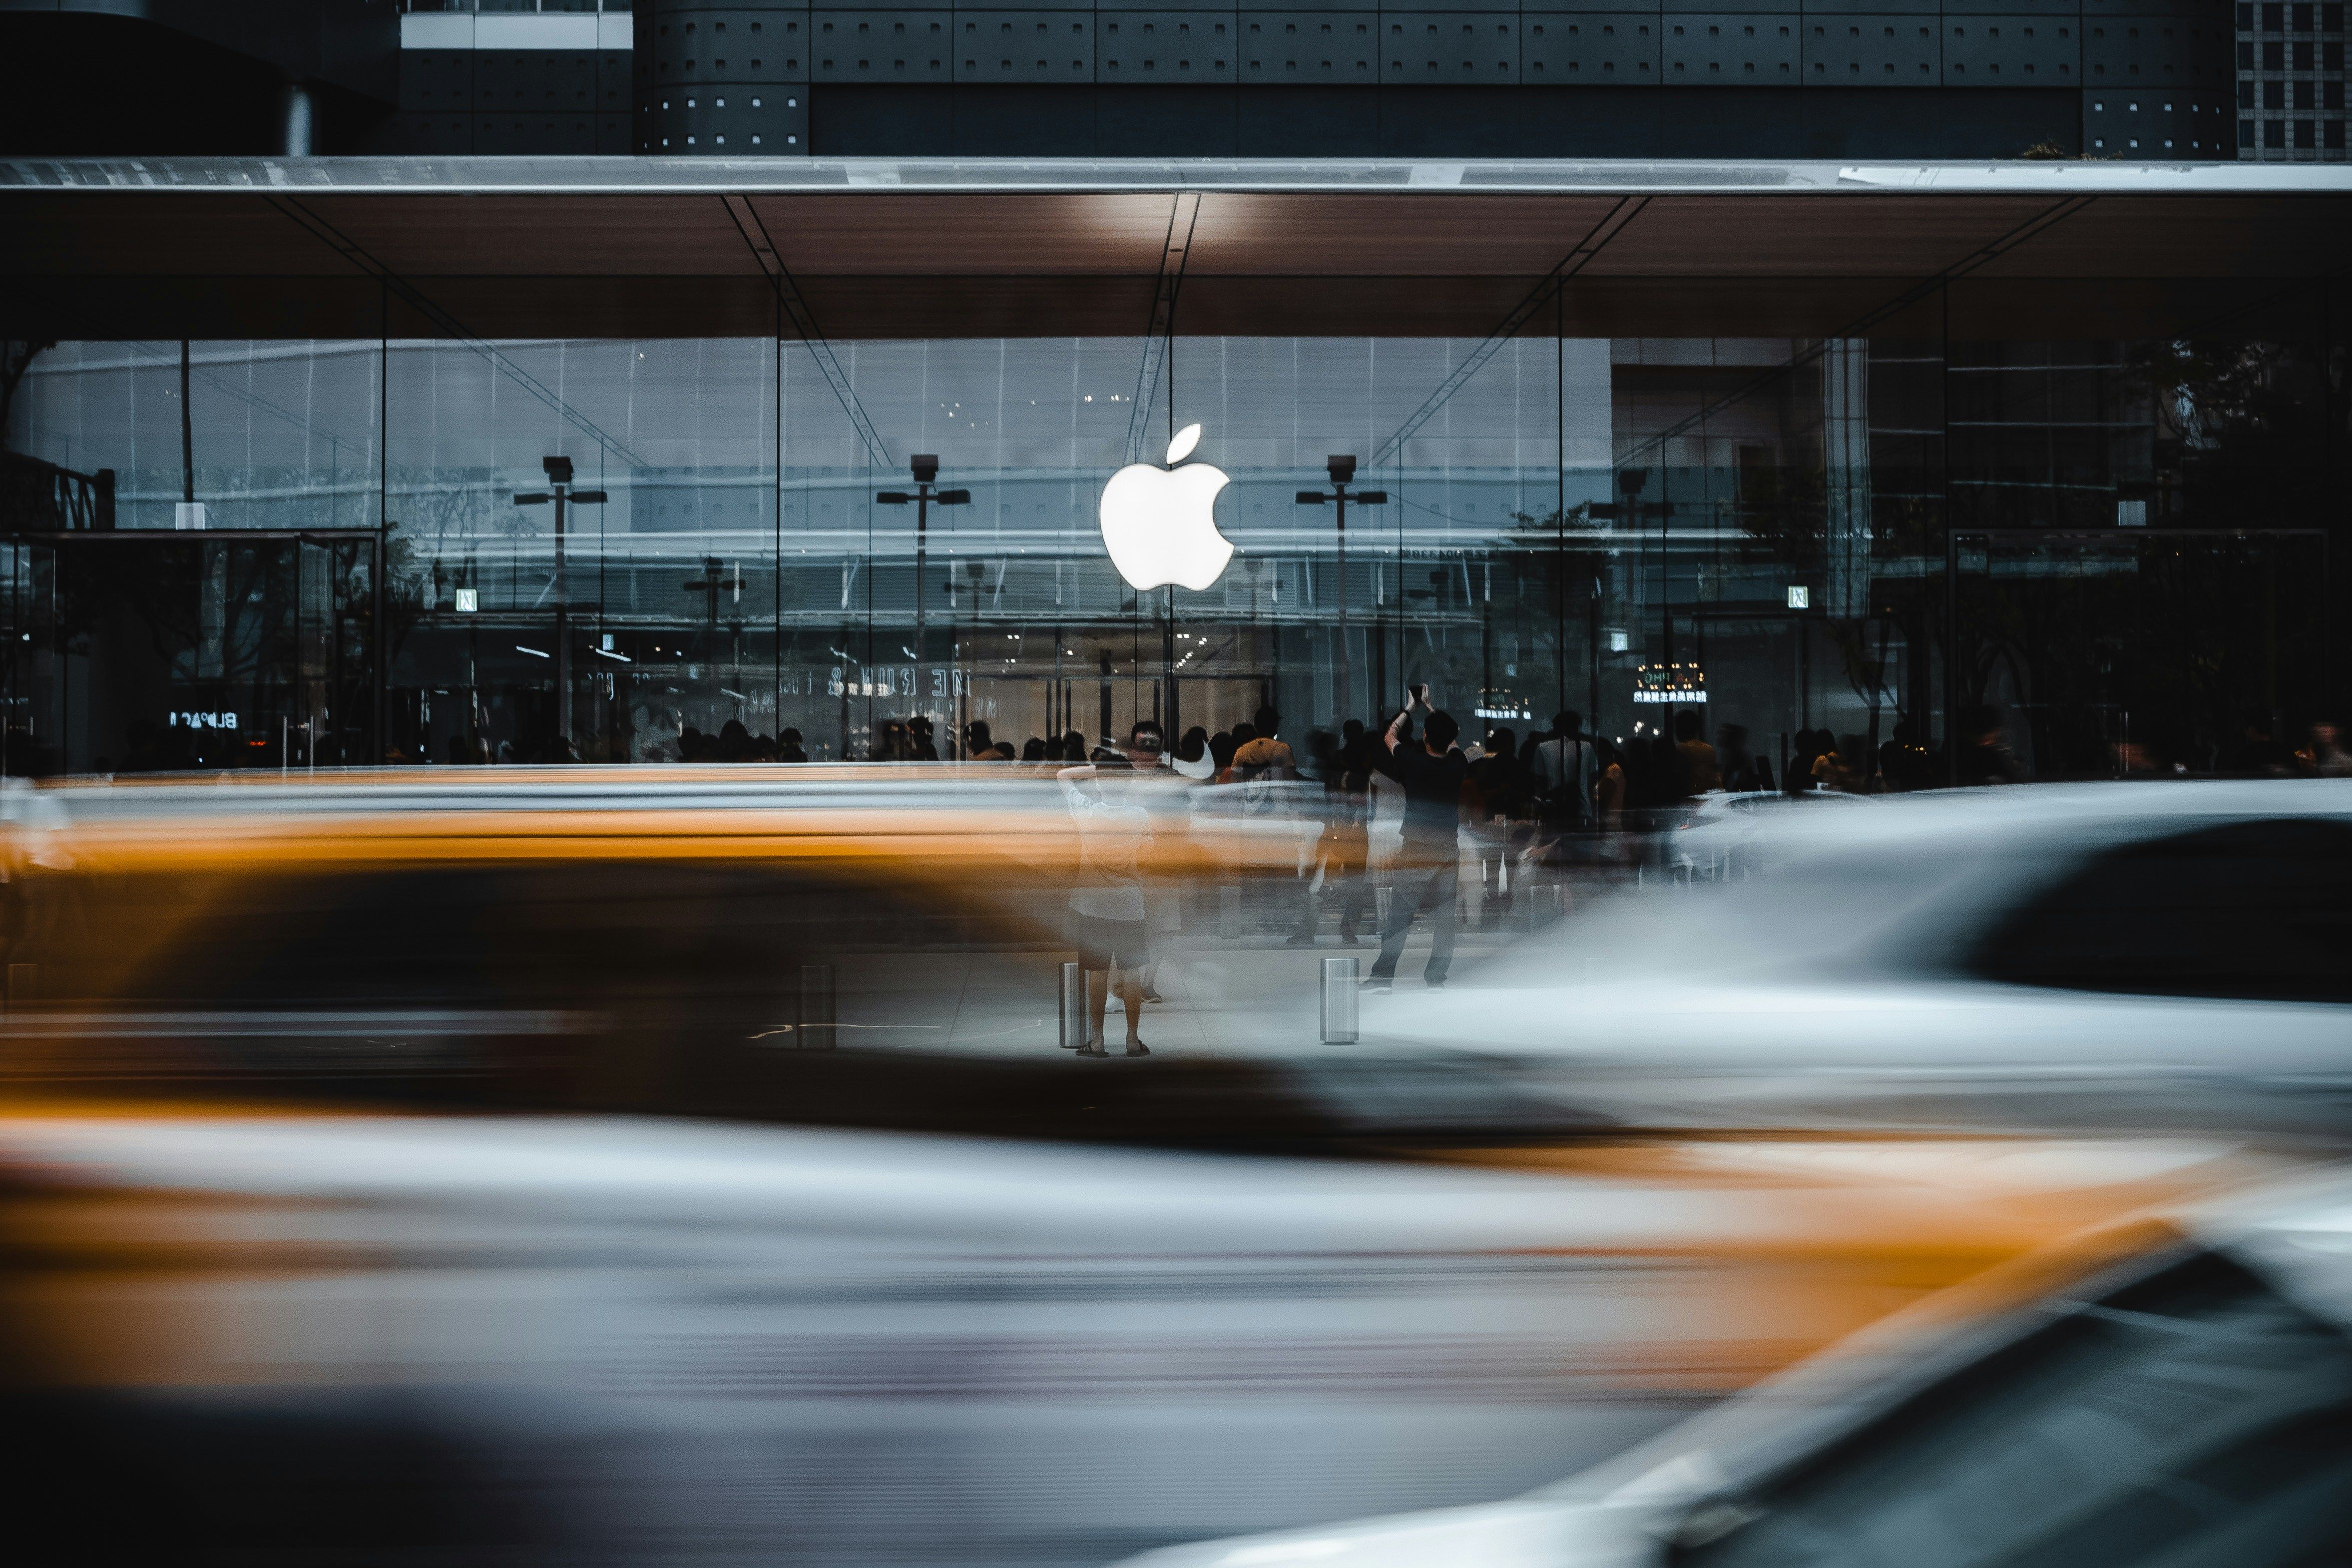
point(2274, 18)
point(2303, 17)
point(2335, 135)
point(2307, 57)
point(2274, 95)
point(2331, 18)
point(2274, 132)
point(2306, 133)
point(2274, 56)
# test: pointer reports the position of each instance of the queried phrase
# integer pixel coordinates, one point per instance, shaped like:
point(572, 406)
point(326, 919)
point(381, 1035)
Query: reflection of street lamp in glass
point(925, 467)
point(1341, 465)
point(1631, 510)
point(560, 492)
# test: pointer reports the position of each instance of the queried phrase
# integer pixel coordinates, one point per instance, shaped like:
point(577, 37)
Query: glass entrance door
point(139, 652)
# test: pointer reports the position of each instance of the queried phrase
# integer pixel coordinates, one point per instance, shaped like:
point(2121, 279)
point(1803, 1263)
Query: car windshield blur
point(2195, 1419)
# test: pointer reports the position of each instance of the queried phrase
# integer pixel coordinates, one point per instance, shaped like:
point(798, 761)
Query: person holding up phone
point(1426, 875)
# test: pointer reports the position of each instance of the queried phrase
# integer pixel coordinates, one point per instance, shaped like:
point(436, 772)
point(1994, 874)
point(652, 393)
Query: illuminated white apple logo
point(1160, 524)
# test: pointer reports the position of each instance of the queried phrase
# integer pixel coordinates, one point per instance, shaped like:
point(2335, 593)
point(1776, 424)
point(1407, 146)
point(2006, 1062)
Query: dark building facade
point(1971, 79)
point(2176, 79)
point(1865, 449)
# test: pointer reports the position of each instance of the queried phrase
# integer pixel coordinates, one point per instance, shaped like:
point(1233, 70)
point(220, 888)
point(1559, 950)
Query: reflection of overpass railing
point(37, 496)
point(1286, 576)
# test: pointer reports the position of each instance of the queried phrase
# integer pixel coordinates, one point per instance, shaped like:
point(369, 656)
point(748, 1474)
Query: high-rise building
point(2291, 79)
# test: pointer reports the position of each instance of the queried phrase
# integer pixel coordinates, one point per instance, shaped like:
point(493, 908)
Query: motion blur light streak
point(549, 1166)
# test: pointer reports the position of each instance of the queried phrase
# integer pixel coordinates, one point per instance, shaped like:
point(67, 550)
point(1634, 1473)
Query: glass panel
point(277, 435)
point(651, 608)
point(1610, 526)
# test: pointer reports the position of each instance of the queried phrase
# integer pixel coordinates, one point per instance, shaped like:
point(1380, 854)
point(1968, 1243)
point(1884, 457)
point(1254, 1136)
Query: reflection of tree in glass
point(2242, 429)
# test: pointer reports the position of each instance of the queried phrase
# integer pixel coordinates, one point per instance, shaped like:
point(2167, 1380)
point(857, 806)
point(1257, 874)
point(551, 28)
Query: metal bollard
point(1074, 1030)
point(818, 1018)
point(1380, 897)
point(1228, 913)
point(1339, 1000)
point(1550, 902)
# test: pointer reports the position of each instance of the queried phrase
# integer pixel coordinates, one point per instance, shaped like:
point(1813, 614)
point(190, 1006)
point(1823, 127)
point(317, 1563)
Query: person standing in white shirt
point(1107, 917)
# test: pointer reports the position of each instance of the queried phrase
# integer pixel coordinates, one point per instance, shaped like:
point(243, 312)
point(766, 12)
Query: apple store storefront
point(446, 548)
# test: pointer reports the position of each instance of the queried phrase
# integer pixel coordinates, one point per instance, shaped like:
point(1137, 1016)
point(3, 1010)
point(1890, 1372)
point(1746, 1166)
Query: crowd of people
point(1616, 781)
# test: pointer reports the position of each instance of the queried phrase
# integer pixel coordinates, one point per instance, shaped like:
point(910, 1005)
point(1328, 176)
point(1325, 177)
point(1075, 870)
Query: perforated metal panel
point(437, 81)
point(1449, 49)
point(559, 135)
point(732, 120)
point(1591, 49)
point(729, 46)
point(2159, 122)
point(443, 134)
point(1167, 48)
point(614, 89)
point(2013, 51)
point(881, 46)
point(1730, 49)
point(1873, 50)
point(1025, 45)
point(1307, 48)
point(2213, 12)
point(534, 82)
point(2156, 51)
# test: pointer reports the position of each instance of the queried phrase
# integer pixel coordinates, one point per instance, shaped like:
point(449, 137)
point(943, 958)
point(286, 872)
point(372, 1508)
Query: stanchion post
point(1339, 1000)
point(1075, 1032)
point(817, 1019)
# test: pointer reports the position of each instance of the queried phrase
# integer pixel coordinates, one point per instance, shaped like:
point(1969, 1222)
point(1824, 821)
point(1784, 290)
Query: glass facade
point(1862, 535)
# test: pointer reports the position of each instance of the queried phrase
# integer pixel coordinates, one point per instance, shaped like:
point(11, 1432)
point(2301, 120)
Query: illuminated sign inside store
point(1160, 524)
point(1503, 705)
point(182, 719)
point(1679, 684)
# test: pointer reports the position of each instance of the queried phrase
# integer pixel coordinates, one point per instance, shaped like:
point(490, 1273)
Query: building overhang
point(919, 247)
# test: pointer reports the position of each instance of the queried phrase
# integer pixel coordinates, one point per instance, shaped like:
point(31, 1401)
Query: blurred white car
point(2155, 946)
point(1711, 833)
point(2189, 1409)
